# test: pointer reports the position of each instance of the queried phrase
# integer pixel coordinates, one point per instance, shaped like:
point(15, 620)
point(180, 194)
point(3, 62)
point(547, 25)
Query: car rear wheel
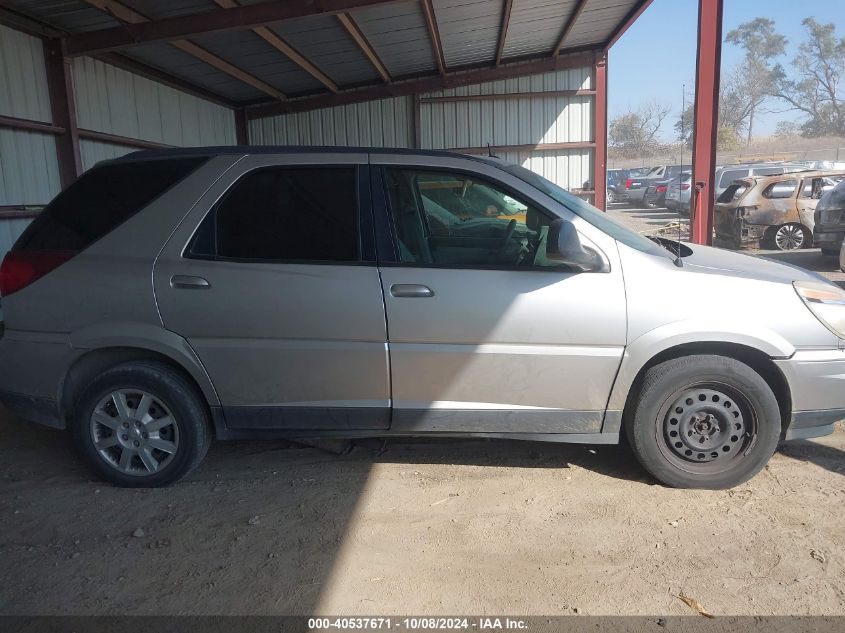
point(703, 421)
point(611, 196)
point(142, 424)
point(789, 237)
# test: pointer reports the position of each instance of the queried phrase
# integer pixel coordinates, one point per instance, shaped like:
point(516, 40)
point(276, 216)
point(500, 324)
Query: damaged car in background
point(772, 212)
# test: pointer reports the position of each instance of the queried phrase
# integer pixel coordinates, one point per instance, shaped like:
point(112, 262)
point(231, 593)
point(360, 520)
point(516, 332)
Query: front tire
point(141, 424)
point(703, 421)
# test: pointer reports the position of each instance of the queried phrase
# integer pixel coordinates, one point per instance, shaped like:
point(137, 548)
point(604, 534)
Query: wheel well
point(86, 368)
point(754, 358)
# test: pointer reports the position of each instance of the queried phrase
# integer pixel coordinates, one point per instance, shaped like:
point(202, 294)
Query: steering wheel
point(508, 235)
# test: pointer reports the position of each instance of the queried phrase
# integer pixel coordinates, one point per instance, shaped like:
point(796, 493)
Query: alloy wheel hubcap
point(134, 432)
point(789, 238)
point(706, 427)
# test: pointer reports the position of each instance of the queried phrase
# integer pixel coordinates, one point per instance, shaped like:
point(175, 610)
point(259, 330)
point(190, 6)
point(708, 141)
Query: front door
point(269, 281)
point(485, 333)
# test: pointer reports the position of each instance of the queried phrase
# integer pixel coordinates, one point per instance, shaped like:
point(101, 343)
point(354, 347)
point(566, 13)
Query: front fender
point(147, 337)
point(642, 349)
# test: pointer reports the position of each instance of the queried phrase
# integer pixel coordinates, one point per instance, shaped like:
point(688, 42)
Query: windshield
point(587, 212)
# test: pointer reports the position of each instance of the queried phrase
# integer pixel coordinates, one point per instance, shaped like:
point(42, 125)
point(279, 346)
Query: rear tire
point(141, 424)
point(788, 237)
point(703, 421)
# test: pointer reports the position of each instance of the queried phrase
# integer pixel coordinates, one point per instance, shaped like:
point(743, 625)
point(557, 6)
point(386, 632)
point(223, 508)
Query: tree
point(734, 112)
point(762, 45)
point(635, 131)
point(820, 66)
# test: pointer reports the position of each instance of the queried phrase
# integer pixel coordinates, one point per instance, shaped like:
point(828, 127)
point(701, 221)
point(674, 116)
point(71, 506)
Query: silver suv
point(169, 297)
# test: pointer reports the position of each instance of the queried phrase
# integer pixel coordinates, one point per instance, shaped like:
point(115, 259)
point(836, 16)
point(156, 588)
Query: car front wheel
point(141, 424)
point(703, 421)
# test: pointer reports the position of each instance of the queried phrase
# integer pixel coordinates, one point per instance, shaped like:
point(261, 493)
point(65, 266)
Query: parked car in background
point(636, 187)
point(726, 174)
point(655, 194)
point(772, 211)
point(679, 193)
point(829, 229)
point(617, 179)
point(214, 278)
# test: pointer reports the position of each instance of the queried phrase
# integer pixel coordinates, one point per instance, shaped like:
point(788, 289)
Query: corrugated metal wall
point(115, 101)
point(29, 170)
point(532, 120)
point(108, 100)
point(383, 123)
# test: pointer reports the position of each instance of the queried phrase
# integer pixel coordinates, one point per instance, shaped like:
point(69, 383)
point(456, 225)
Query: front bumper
point(817, 383)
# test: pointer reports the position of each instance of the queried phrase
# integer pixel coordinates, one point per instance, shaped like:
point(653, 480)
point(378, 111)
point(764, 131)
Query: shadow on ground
point(259, 514)
point(827, 457)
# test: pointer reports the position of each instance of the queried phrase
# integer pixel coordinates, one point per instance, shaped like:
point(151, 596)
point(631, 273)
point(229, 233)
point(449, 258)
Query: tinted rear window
point(99, 201)
point(284, 214)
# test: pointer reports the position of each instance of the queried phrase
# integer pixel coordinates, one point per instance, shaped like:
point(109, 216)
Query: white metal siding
point(29, 171)
point(383, 123)
point(10, 230)
point(23, 76)
point(519, 121)
point(112, 100)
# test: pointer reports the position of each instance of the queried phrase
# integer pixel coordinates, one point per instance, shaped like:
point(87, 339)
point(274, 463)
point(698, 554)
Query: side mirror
point(564, 246)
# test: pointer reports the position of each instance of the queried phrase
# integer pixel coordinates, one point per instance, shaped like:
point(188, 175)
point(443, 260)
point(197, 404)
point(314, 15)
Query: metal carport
point(528, 78)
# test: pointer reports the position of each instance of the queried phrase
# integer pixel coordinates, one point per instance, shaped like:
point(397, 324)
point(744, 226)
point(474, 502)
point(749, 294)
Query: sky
point(656, 56)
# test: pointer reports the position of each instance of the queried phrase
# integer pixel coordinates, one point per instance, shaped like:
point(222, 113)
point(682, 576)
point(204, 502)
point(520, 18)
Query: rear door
point(486, 335)
point(272, 280)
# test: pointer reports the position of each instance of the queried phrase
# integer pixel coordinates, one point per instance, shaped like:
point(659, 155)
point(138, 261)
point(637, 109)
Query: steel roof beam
point(570, 23)
point(234, 19)
point(503, 30)
point(458, 77)
point(286, 49)
point(134, 18)
point(363, 43)
point(434, 35)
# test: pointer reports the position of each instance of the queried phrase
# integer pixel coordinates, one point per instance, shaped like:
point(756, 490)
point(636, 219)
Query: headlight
point(826, 302)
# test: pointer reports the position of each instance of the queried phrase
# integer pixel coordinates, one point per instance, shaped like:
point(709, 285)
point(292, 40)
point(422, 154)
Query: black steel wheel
point(705, 427)
point(703, 421)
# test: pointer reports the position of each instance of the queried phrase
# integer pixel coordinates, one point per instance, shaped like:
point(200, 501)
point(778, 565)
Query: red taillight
point(628, 183)
point(685, 186)
point(661, 188)
point(21, 268)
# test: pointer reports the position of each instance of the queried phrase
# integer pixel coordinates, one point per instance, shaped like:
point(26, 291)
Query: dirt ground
point(474, 527)
point(424, 528)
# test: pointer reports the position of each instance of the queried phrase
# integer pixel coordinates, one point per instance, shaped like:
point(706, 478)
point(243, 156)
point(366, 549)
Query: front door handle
point(411, 290)
point(189, 281)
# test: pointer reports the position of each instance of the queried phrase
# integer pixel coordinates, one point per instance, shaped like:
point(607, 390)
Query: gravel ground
point(474, 527)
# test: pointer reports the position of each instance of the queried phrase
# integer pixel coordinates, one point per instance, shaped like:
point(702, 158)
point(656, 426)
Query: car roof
point(765, 180)
point(220, 150)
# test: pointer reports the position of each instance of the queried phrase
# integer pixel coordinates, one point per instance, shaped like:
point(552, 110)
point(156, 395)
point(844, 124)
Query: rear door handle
point(189, 281)
point(411, 290)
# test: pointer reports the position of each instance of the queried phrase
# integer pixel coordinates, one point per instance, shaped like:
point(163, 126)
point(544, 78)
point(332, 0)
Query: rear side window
point(767, 171)
point(729, 175)
point(734, 192)
point(782, 189)
point(284, 214)
point(103, 198)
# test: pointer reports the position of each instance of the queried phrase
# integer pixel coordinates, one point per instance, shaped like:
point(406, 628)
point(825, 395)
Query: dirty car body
point(245, 292)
